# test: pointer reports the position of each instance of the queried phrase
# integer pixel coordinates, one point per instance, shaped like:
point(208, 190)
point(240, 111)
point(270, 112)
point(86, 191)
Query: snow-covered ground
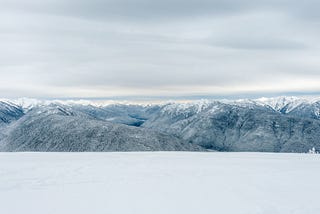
point(159, 182)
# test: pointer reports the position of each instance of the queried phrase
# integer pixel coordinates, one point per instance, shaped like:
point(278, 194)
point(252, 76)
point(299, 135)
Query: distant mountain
point(281, 124)
point(132, 115)
point(234, 127)
point(9, 112)
point(61, 128)
point(283, 104)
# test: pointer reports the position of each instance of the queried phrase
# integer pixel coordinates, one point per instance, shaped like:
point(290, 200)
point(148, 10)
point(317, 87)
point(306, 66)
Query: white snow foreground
point(159, 182)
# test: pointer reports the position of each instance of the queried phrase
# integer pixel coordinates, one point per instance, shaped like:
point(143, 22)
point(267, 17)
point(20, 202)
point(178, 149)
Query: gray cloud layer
point(61, 48)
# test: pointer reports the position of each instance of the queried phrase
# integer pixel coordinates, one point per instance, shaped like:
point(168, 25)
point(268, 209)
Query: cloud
point(146, 9)
point(102, 48)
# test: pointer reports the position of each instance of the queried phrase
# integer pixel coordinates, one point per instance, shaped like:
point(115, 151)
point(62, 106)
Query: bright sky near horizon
point(103, 48)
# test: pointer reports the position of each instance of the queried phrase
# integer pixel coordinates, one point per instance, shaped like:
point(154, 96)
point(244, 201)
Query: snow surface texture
point(281, 124)
point(159, 182)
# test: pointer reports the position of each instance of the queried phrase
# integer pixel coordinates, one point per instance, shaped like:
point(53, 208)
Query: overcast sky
point(103, 48)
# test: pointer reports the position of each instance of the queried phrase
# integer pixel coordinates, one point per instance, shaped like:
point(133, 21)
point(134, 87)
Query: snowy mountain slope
point(283, 124)
point(9, 112)
point(233, 127)
point(307, 110)
point(282, 104)
point(57, 128)
point(299, 107)
point(133, 115)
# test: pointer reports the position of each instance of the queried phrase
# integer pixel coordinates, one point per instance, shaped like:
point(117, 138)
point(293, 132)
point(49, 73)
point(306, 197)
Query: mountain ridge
point(280, 124)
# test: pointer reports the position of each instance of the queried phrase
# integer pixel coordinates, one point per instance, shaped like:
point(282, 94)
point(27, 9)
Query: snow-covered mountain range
point(281, 124)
